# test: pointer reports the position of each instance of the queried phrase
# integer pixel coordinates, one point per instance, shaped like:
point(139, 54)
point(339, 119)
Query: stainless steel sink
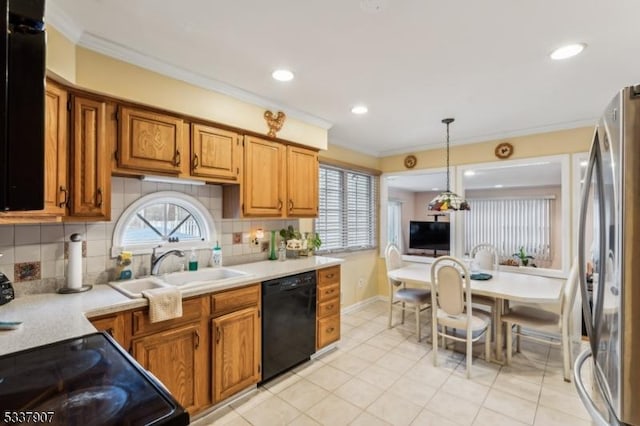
point(134, 288)
point(203, 276)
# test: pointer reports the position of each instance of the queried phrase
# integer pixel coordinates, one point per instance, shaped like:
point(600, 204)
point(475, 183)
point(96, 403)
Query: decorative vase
point(272, 251)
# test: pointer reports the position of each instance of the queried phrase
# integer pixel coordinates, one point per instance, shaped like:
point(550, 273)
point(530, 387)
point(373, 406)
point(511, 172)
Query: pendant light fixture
point(448, 201)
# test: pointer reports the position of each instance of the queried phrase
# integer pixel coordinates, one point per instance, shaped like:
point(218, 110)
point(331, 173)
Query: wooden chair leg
point(509, 342)
point(390, 307)
point(518, 331)
point(403, 307)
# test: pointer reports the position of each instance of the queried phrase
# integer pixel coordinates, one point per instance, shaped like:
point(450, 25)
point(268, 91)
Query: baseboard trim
point(363, 303)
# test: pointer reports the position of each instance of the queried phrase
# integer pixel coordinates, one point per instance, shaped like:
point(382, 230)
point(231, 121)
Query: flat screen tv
point(429, 235)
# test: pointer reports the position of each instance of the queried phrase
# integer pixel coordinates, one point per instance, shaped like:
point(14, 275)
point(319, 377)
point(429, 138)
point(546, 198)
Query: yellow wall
point(61, 55)
point(346, 155)
point(96, 72)
point(541, 144)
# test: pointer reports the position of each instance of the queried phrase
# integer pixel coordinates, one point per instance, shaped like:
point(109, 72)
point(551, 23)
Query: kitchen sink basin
point(134, 288)
point(203, 276)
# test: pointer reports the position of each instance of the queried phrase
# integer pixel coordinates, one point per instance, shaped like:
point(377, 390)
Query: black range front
point(85, 381)
point(288, 322)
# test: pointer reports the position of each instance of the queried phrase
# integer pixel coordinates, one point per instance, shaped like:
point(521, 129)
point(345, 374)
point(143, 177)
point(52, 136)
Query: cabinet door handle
point(177, 162)
point(217, 334)
point(279, 204)
point(329, 307)
point(195, 161)
point(290, 204)
point(330, 330)
point(110, 331)
point(330, 275)
point(99, 197)
point(197, 340)
point(66, 196)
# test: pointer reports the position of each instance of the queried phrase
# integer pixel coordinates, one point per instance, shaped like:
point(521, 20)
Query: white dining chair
point(400, 295)
point(485, 257)
point(548, 323)
point(452, 308)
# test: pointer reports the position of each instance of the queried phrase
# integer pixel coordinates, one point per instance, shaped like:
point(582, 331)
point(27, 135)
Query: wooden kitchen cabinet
point(175, 356)
point(118, 326)
point(216, 154)
point(302, 182)
point(177, 352)
point(90, 177)
point(56, 189)
point(236, 337)
point(150, 141)
point(328, 306)
point(279, 181)
point(264, 178)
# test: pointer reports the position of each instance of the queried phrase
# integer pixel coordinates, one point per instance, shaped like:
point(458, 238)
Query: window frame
point(197, 210)
point(373, 202)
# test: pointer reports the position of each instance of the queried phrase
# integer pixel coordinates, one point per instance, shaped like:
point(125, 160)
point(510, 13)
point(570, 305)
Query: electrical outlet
point(265, 246)
point(360, 282)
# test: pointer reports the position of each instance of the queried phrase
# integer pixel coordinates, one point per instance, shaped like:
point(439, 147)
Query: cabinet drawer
point(328, 292)
point(232, 300)
point(328, 330)
point(329, 276)
point(330, 307)
point(191, 310)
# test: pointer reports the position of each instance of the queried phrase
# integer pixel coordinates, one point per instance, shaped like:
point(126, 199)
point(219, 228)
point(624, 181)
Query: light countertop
point(50, 317)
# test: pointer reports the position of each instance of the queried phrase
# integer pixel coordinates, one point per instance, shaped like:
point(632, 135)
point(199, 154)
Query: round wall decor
point(504, 150)
point(410, 161)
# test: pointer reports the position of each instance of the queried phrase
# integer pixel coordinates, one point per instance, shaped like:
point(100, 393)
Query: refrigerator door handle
point(598, 420)
point(602, 253)
point(586, 309)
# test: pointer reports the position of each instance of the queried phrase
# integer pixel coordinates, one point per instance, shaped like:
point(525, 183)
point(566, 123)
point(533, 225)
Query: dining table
point(504, 286)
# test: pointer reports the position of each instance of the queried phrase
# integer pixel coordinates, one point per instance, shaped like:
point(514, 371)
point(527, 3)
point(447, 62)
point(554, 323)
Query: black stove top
point(85, 381)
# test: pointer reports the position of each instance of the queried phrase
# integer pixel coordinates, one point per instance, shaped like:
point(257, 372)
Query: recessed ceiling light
point(435, 189)
point(282, 75)
point(567, 51)
point(498, 186)
point(359, 109)
point(469, 173)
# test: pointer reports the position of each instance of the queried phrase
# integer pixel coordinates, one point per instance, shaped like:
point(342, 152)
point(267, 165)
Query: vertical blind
point(347, 209)
point(510, 224)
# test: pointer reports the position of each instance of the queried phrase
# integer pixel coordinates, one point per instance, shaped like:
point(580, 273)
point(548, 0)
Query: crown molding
point(125, 54)
point(62, 22)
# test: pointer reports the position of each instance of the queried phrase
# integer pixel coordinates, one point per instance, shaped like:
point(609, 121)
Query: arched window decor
point(165, 217)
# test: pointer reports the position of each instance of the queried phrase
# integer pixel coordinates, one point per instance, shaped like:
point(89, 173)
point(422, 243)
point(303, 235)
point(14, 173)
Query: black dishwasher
point(288, 322)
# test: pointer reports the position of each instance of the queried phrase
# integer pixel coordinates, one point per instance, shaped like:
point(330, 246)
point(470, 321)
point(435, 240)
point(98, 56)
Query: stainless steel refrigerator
point(608, 250)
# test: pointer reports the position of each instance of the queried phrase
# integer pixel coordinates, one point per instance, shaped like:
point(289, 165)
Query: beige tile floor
point(381, 376)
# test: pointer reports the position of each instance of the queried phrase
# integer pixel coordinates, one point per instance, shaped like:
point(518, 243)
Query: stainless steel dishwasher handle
point(598, 420)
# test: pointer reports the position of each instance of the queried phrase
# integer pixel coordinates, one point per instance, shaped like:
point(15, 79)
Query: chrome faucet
point(156, 260)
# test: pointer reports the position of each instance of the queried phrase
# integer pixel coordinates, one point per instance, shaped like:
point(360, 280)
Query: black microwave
point(22, 105)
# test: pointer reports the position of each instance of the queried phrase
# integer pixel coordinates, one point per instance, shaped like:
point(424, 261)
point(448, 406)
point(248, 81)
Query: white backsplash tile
point(27, 234)
point(45, 242)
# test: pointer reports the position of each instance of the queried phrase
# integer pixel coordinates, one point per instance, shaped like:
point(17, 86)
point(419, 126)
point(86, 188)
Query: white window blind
point(509, 224)
point(347, 209)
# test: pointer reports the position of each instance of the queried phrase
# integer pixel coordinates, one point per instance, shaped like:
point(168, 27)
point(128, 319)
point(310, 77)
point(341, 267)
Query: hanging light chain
point(448, 190)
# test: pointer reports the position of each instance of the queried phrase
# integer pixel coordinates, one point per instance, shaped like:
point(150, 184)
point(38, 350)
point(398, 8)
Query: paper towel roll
point(74, 267)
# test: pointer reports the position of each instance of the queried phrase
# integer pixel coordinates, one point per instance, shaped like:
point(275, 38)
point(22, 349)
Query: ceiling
point(412, 62)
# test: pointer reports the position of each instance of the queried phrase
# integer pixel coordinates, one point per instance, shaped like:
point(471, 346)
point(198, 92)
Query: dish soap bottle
point(193, 261)
point(216, 256)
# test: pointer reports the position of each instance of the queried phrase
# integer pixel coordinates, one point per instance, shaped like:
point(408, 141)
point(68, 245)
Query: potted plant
point(523, 256)
point(292, 239)
point(313, 243)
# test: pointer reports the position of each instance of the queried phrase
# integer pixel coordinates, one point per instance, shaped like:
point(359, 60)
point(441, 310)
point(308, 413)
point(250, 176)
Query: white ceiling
point(413, 63)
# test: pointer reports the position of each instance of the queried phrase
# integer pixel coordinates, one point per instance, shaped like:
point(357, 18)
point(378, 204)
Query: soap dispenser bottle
point(216, 256)
point(193, 261)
